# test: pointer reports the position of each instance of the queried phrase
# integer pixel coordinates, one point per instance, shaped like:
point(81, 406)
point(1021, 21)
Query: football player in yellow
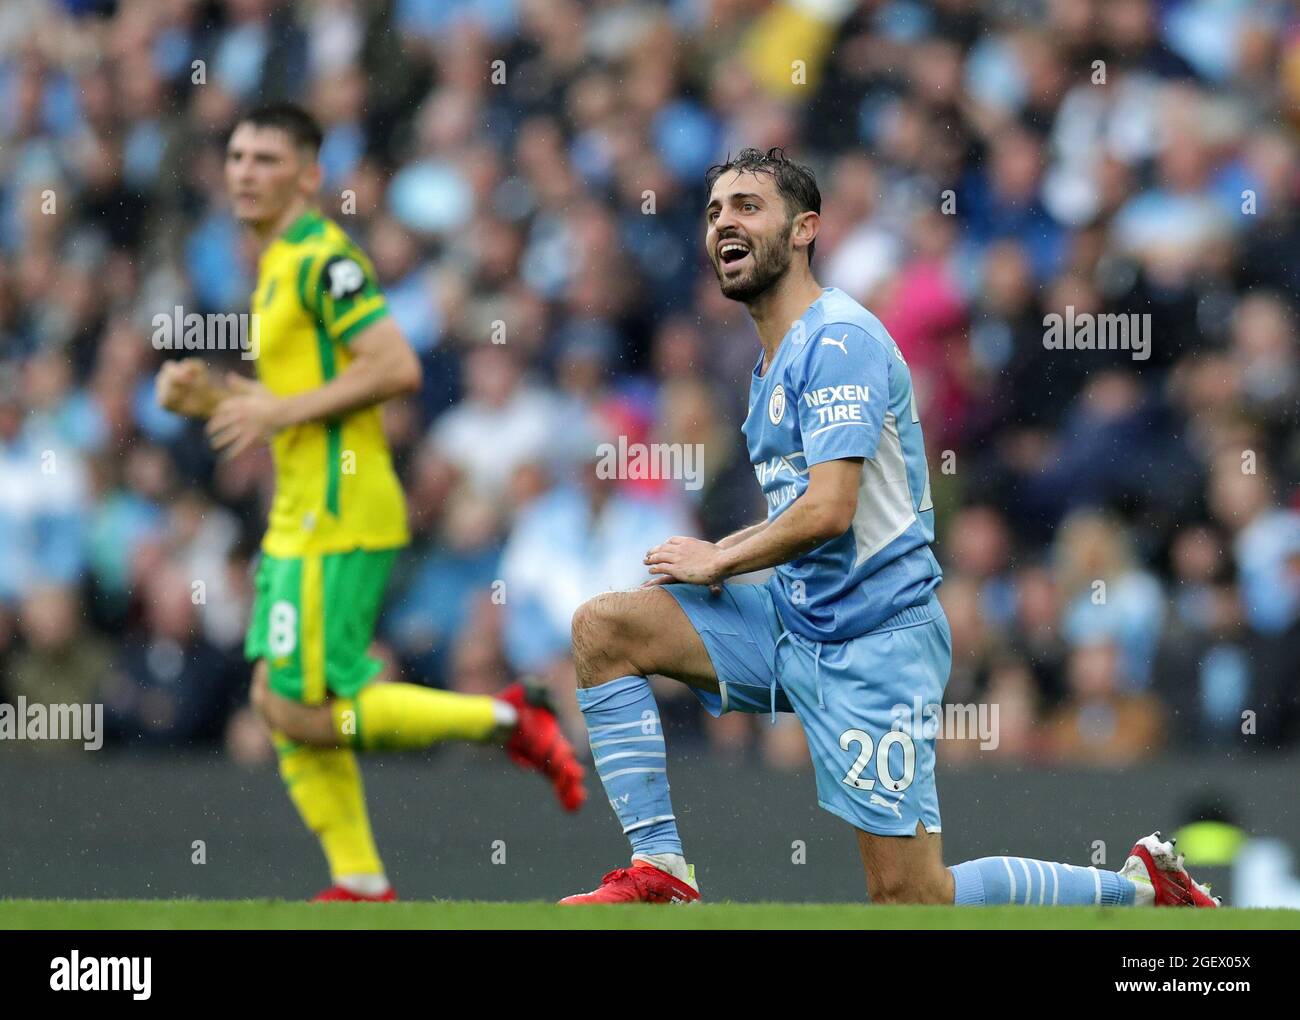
point(327, 356)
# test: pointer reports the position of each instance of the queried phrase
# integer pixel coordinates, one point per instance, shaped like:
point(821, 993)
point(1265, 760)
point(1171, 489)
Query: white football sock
point(674, 864)
point(363, 885)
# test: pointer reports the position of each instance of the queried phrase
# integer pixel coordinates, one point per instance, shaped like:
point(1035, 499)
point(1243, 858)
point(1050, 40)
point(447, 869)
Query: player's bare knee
point(286, 722)
point(304, 724)
point(297, 722)
point(273, 713)
point(599, 640)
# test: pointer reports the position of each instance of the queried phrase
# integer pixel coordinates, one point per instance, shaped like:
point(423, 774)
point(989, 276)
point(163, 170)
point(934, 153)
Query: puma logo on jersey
point(875, 798)
point(841, 343)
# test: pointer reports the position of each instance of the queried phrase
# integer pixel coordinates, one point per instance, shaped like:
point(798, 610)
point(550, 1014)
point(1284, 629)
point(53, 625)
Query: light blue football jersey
point(839, 388)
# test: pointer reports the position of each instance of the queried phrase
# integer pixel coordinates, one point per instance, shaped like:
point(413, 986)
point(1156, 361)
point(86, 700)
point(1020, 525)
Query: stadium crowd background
point(1171, 188)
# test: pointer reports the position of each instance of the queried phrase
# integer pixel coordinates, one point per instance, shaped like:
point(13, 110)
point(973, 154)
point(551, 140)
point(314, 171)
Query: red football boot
point(338, 894)
point(641, 883)
point(538, 743)
point(1153, 861)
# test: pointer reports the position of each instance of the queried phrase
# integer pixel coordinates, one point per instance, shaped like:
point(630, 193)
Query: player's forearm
point(807, 524)
point(364, 383)
point(736, 537)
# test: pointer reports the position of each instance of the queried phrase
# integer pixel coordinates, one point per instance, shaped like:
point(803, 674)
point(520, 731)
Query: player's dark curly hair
point(290, 118)
point(795, 182)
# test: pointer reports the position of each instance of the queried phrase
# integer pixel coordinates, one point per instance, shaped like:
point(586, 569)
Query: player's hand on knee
point(688, 560)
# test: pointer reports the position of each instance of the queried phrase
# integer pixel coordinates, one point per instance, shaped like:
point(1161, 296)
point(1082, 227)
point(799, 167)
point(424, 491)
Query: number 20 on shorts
point(854, 777)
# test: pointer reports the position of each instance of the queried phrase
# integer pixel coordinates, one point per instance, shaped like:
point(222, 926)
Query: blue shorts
point(862, 702)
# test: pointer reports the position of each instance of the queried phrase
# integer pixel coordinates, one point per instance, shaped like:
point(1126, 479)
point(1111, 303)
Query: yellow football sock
point(325, 785)
point(406, 717)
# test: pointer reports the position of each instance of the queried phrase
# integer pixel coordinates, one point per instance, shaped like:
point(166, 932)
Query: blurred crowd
point(1120, 537)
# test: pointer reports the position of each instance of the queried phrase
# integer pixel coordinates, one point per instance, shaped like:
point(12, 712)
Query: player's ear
point(312, 176)
point(807, 225)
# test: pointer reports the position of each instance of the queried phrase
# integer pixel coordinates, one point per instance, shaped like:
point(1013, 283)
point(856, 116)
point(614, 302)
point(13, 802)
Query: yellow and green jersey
point(335, 488)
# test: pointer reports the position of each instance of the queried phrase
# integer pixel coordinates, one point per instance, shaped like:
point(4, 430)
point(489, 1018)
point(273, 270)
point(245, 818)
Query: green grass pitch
point(278, 914)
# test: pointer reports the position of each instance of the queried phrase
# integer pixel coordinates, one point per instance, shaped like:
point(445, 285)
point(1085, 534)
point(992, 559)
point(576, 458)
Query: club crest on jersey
point(345, 277)
point(776, 405)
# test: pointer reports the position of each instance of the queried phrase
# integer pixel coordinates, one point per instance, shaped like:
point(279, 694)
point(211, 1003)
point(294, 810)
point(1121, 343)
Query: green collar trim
point(309, 223)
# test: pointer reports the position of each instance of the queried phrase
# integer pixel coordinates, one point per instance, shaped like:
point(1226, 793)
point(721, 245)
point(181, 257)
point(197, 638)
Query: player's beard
point(771, 261)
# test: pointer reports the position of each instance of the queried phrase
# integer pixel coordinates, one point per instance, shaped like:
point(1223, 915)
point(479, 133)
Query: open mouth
point(731, 252)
